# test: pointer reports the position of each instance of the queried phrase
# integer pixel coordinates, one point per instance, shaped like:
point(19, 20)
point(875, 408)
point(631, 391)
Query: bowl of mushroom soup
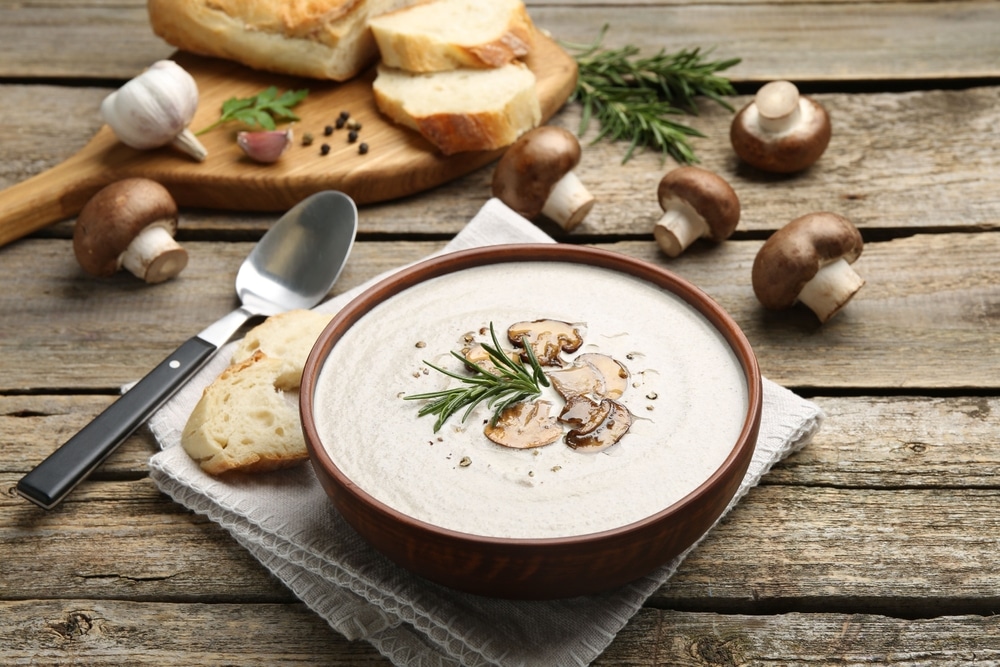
point(531, 421)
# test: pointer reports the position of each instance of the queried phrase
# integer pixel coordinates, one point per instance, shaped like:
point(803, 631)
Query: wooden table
point(876, 544)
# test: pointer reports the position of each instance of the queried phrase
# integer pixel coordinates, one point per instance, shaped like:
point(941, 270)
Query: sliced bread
point(448, 34)
point(289, 336)
point(323, 39)
point(243, 422)
point(464, 109)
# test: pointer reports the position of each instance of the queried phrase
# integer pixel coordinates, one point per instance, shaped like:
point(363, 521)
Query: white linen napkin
point(286, 521)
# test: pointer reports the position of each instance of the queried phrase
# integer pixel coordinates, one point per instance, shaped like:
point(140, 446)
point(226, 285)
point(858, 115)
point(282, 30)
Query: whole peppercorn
point(352, 136)
point(328, 130)
point(363, 148)
point(324, 149)
point(341, 122)
point(307, 139)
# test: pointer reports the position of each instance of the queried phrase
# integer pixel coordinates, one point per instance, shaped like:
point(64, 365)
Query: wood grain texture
point(898, 162)
point(97, 633)
point(909, 552)
point(927, 316)
point(816, 40)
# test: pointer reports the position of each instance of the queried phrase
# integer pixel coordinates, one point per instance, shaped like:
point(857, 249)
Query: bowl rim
point(459, 260)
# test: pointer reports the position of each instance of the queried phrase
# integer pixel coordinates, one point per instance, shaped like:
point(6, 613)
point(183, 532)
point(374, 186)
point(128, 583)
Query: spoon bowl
point(293, 266)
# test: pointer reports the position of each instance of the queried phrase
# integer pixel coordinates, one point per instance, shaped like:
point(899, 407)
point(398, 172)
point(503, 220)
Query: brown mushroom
point(595, 375)
point(780, 131)
point(696, 203)
point(809, 260)
point(547, 338)
point(608, 431)
point(131, 224)
point(524, 426)
point(535, 176)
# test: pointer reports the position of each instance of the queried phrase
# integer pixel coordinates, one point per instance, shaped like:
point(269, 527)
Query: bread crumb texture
point(247, 420)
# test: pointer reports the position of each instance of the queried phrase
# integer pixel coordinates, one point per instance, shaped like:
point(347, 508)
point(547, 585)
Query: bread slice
point(323, 39)
point(448, 34)
point(289, 336)
point(463, 109)
point(248, 418)
point(244, 422)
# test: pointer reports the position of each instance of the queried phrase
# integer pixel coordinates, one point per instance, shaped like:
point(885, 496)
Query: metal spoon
point(294, 265)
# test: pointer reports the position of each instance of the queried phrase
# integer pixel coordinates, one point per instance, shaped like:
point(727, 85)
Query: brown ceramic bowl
point(532, 567)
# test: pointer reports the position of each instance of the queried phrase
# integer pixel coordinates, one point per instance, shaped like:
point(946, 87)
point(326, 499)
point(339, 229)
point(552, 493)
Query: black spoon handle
point(49, 482)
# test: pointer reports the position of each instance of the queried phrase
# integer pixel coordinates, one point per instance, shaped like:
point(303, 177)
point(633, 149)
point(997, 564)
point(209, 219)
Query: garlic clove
point(265, 146)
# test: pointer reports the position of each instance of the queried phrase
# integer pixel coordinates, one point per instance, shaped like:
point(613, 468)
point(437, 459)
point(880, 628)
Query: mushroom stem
point(569, 202)
point(831, 288)
point(153, 255)
point(679, 227)
point(778, 106)
point(188, 143)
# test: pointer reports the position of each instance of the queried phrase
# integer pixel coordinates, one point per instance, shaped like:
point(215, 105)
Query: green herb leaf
point(511, 383)
point(263, 109)
point(636, 99)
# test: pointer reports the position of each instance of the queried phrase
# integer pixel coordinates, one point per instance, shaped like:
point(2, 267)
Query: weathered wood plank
point(815, 42)
point(870, 41)
point(902, 552)
point(850, 640)
point(106, 633)
point(900, 442)
point(900, 162)
point(926, 318)
point(125, 539)
point(112, 633)
point(32, 426)
point(911, 552)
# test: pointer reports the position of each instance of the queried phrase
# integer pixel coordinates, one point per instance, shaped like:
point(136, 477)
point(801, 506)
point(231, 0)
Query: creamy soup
point(687, 394)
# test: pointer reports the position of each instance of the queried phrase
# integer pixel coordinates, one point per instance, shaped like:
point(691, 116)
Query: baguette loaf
point(322, 39)
point(448, 34)
point(464, 109)
point(244, 422)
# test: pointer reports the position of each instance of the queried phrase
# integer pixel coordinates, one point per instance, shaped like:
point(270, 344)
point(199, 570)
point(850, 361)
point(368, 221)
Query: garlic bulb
point(154, 109)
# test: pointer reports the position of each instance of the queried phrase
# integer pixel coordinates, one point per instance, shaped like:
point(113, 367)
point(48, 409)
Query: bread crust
point(323, 39)
point(247, 420)
point(244, 423)
point(455, 129)
point(417, 49)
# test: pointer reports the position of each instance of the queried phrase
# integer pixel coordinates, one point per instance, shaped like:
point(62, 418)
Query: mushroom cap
point(547, 338)
point(707, 193)
point(796, 252)
point(114, 216)
point(782, 153)
point(527, 172)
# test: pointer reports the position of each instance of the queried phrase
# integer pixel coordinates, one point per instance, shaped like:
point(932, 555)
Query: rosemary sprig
point(262, 109)
point(511, 383)
point(634, 98)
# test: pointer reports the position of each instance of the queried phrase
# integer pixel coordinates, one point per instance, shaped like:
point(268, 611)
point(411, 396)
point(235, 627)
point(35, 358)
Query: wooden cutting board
point(400, 162)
